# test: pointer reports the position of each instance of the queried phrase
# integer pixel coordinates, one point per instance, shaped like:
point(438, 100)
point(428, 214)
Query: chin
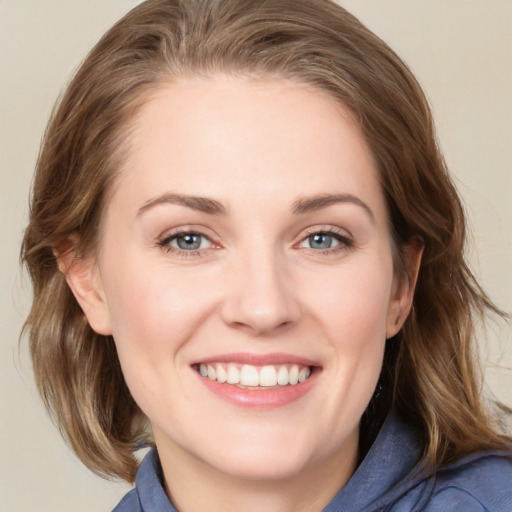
point(265, 465)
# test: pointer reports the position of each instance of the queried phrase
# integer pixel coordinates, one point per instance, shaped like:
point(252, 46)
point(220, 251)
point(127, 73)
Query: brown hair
point(429, 373)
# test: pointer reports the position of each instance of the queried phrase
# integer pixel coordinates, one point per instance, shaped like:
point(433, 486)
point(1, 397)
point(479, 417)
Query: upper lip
point(257, 359)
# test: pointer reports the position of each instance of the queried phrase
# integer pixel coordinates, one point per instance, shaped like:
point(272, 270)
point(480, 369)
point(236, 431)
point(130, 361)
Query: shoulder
point(481, 483)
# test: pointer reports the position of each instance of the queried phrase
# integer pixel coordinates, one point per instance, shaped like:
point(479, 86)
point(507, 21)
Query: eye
point(320, 241)
point(329, 241)
point(186, 242)
point(190, 242)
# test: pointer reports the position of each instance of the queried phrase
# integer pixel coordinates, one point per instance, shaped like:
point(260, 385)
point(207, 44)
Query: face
point(245, 271)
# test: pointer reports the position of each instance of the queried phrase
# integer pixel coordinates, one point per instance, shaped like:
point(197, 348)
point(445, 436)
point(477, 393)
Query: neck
point(193, 485)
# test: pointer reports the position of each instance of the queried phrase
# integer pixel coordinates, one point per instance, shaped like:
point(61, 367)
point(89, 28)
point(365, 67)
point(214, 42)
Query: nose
point(260, 296)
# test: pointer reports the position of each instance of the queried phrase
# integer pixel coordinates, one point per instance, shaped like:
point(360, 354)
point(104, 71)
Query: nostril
point(260, 327)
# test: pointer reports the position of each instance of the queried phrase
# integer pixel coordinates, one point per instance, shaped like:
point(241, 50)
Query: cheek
point(154, 308)
point(352, 314)
point(152, 317)
point(354, 305)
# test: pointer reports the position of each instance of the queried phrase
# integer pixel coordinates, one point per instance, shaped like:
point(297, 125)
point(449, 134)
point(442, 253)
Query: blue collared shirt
point(388, 480)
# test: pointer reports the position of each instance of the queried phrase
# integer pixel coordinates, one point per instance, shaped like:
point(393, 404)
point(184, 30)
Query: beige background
point(461, 50)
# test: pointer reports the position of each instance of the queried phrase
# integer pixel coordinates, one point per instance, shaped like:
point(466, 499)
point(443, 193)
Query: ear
point(403, 288)
point(83, 277)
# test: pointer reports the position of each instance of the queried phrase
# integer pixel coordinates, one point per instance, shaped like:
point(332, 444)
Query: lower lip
point(260, 399)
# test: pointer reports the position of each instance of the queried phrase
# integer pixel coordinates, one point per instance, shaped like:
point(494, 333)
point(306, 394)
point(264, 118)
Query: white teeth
point(282, 376)
point(249, 376)
point(233, 375)
point(293, 375)
point(268, 376)
point(304, 374)
point(212, 374)
point(222, 376)
point(254, 376)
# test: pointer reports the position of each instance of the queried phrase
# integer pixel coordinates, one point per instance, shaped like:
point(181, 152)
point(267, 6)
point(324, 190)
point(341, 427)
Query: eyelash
point(345, 242)
point(165, 243)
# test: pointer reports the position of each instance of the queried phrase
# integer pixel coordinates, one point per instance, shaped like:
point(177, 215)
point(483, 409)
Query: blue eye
point(322, 241)
point(187, 242)
point(325, 241)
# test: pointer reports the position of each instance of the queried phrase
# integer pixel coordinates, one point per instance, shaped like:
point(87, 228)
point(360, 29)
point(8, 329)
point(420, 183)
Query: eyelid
point(328, 230)
point(187, 229)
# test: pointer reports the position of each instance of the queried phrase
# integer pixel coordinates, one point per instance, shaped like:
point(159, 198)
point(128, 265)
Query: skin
point(257, 285)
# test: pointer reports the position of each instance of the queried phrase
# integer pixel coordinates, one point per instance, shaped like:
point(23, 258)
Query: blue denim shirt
point(388, 480)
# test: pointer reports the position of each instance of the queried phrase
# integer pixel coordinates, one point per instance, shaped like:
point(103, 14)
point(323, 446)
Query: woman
point(246, 249)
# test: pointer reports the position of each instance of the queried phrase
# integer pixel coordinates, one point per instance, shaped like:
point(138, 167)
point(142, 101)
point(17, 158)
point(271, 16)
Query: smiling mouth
point(255, 377)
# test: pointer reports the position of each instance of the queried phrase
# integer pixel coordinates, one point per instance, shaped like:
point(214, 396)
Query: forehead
point(226, 136)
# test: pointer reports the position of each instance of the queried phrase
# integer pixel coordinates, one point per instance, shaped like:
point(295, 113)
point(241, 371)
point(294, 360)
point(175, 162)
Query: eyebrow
point(311, 204)
point(213, 207)
point(202, 204)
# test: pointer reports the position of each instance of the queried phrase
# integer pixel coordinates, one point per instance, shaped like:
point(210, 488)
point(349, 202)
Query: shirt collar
point(148, 483)
point(384, 473)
